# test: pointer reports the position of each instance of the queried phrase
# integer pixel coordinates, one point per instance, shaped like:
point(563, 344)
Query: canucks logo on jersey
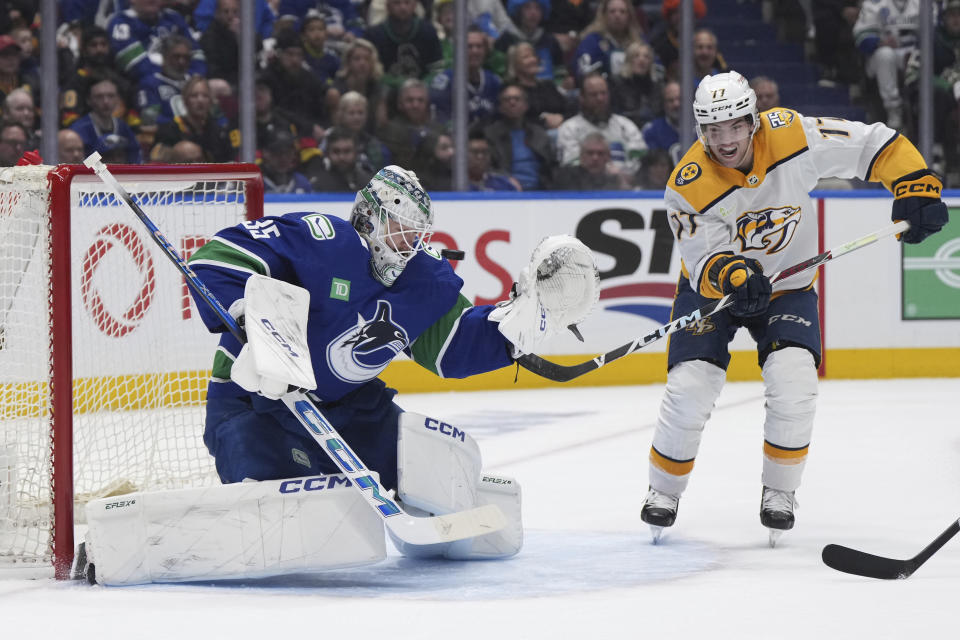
point(770, 229)
point(361, 352)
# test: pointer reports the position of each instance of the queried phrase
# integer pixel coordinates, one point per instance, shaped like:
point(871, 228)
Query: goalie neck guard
point(394, 215)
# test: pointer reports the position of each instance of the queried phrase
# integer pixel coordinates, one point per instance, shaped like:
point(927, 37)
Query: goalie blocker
point(299, 525)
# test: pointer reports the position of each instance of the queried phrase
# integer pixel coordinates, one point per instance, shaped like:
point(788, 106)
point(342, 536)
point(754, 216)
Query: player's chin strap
point(555, 291)
point(565, 373)
point(455, 526)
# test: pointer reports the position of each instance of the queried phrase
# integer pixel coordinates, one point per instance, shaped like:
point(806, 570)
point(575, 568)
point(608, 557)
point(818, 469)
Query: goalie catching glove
point(276, 357)
point(743, 277)
point(556, 290)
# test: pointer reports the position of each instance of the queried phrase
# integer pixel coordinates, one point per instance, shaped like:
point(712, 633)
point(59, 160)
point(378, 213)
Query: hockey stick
point(565, 373)
point(431, 530)
point(868, 565)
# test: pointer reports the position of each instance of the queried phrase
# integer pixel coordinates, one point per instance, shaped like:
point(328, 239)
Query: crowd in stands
point(562, 94)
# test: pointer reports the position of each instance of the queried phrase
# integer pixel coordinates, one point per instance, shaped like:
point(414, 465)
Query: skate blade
point(655, 533)
point(774, 537)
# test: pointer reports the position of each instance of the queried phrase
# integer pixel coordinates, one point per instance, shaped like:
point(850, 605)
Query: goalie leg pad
point(692, 389)
point(439, 470)
point(438, 465)
point(242, 530)
point(790, 381)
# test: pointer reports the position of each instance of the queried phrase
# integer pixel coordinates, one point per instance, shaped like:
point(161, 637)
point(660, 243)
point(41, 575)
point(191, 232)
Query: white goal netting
point(139, 355)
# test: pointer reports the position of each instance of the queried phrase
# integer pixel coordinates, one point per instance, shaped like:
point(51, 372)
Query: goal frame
point(60, 181)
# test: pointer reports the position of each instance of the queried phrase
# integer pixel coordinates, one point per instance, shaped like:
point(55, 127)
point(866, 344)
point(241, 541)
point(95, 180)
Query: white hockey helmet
point(725, 96)
point(394, 215)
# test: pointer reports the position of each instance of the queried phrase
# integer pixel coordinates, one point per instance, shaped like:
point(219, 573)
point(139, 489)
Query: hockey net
point(103, 360)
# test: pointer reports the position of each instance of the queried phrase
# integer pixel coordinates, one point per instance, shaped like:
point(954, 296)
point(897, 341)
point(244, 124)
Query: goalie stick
point(565, 373)
point(868, 565)
point(414, 530)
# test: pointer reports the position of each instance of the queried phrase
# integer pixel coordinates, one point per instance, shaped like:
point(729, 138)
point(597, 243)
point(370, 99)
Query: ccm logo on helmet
point(724, 107)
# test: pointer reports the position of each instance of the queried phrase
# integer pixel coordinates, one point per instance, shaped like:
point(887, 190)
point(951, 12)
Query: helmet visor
point(715, 134)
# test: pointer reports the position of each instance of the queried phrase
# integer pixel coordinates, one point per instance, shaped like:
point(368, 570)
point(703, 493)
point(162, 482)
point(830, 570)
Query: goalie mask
point(722, 98)
point(393, 214)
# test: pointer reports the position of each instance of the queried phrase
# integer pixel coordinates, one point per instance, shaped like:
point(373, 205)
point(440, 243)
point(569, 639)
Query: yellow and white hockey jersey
point(767, 214)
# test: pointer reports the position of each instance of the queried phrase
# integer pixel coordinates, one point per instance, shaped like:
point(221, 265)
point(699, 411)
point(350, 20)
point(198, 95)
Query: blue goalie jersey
point(356, 325)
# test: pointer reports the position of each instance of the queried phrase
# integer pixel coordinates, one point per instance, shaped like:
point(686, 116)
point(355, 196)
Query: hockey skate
point(776, 512)
point(659, 511)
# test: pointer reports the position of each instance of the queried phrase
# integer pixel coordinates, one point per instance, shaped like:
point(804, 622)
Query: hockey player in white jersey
point(739, 206)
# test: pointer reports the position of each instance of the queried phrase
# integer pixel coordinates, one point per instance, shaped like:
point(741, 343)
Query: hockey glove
point(743, 277)
point(918, 202)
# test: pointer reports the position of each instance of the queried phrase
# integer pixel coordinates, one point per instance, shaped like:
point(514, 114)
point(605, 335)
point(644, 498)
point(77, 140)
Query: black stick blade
point(868, 565)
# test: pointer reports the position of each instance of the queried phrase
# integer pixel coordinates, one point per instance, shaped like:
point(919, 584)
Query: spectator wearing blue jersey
point(479, 174)
point(135, 36)
point(529, 16)
point(158, 98)
point(483, 85)
point(604, 42)
point(664, 132)
point(322, 61)
point(102, 131)
point(407, 44)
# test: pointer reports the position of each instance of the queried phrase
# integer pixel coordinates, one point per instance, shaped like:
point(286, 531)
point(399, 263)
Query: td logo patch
point(340, 289)
point(688, 173)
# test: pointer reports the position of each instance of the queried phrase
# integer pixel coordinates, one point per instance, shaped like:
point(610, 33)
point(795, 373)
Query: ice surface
point(883, 476)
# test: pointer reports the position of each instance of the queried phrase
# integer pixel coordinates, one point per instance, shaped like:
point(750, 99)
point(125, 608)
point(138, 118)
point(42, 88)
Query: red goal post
point(103, 362)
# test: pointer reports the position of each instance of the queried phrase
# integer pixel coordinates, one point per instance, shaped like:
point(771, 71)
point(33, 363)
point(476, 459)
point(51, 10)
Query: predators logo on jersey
point(770, 229)
point(779, 118)
point(688, 173)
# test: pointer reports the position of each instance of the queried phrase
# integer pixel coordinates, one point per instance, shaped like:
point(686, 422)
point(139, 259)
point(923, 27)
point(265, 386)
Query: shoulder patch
point(430, 251)
point(320, 227)
point(687, 174)
point(779, 118)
